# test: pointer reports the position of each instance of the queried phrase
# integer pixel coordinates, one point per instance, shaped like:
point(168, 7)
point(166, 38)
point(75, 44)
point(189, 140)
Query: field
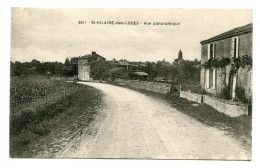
point(29, 92)
point(34, 100)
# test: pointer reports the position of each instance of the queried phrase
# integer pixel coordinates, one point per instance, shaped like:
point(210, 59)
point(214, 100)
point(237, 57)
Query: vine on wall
point(223, 62)
point(243, 61)
point(216, 63)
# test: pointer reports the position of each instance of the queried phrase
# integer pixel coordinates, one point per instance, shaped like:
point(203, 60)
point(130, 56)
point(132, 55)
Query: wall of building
point(204, 53)
point(83, 70)
point(244, 80)
point(224, 47)
point(202, 77)
point(245, 47)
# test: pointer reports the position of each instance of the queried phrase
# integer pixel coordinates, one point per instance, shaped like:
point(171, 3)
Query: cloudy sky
point(54, 34)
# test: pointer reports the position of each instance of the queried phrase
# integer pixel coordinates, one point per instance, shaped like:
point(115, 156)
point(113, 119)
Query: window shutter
point(207, 77)
point(208, 51)
point(214, 51)
point(214, 78)
point(232, 47)
point(237, 47)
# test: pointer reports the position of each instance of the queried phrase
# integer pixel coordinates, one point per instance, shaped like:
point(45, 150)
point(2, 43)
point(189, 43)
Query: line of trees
point(187, 72)
point(35, 67)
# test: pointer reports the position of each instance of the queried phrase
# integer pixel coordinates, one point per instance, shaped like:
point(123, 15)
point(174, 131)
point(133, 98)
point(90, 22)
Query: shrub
point(225, 93)
point(241, 95)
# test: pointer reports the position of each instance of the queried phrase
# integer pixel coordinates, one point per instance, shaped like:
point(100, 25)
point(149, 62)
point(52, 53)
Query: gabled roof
point(91, 57)
point(231, 33)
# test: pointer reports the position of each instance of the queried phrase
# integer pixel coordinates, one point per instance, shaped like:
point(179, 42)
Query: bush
point(241, 95)
point(225, 93)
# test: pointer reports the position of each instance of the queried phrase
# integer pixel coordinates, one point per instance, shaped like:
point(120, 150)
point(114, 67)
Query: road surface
point(133, 125)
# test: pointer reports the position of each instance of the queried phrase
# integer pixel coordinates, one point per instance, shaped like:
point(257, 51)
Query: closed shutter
point(237, 47)
point(234, 86)
point(208, 51)
point(207, 78)
point(233, 47)
point(214, 78)
point(214, 51)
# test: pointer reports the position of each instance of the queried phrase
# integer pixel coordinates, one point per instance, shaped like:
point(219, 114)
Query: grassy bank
point(238, 127)
point(34, 130)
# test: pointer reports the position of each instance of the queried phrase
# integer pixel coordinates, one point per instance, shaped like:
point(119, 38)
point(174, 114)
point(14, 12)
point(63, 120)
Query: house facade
point(84, 63)
point(226, 62)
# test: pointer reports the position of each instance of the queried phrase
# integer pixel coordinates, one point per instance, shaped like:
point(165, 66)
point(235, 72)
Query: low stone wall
point(230, 108)
point(150, 86)
point(191, 96)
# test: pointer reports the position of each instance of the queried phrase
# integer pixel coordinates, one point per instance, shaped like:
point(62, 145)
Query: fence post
point(45, 95)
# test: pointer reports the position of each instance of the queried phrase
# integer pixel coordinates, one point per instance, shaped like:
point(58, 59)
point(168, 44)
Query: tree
point(67, 62)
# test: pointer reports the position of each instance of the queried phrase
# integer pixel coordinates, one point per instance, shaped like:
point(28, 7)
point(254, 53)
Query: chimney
point(93, 52)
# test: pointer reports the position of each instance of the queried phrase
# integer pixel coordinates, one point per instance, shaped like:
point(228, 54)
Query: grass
point(33, 129)
point(237, 127)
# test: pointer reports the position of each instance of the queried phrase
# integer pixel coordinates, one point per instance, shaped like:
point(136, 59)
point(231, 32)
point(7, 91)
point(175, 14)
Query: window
point(210, 76)
point(211, 50)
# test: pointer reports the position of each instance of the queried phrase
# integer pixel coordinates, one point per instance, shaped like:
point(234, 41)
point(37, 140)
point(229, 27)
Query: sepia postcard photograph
point(133, 83)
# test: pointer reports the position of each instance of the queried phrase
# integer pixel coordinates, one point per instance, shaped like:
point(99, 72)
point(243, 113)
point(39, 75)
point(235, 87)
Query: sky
point(53, 34)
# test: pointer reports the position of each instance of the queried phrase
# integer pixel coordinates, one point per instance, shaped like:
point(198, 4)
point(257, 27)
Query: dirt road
point(133, 125)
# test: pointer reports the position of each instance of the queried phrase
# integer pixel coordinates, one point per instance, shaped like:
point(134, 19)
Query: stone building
point(226, 61)
point(179, 61)
point(84, 63)
point(179, 64)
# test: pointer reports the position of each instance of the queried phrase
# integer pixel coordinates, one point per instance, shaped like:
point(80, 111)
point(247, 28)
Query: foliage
point(225, 93)
point(239, 62)
point(99, 70)
point(69, 68)
point(243, 61)
point(216, 63)
point(241, 95)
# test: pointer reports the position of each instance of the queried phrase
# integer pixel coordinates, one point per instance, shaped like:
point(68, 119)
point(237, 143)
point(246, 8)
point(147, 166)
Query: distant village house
point(84, 63)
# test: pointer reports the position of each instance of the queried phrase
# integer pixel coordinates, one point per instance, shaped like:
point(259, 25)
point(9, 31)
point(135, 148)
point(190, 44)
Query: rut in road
point(133, 125)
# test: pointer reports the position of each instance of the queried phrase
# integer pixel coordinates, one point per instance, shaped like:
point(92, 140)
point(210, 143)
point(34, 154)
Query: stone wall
point(150, 86)
point(230, 108)
point(191, 96)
